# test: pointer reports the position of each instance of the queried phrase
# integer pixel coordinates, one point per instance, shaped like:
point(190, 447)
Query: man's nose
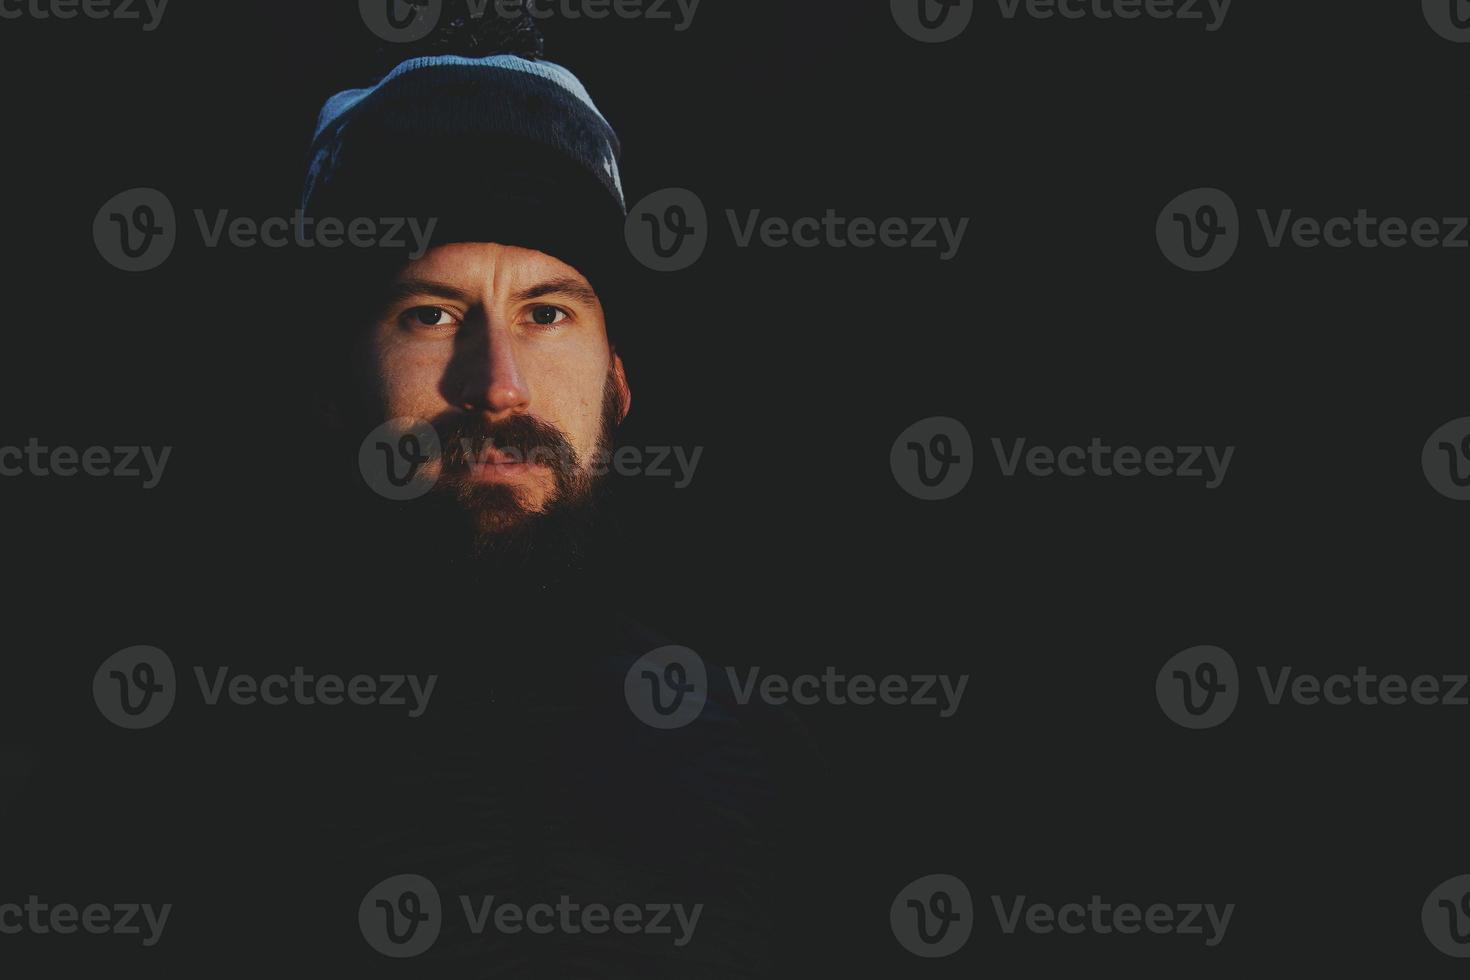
point(491, 379)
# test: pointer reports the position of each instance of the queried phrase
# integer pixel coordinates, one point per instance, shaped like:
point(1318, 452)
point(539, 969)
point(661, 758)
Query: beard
point(500, 528)
point(519, 538)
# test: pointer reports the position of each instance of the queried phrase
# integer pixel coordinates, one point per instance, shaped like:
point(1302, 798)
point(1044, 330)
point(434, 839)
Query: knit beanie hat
point(496, 148)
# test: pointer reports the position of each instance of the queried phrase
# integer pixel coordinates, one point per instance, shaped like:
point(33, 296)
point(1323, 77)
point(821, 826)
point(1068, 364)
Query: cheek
point(568, 393)
point(409, 377)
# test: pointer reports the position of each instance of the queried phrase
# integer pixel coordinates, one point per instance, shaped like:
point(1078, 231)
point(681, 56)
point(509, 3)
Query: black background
point(794, 548)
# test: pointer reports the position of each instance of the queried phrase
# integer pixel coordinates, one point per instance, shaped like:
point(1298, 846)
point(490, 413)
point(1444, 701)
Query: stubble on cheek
point(411, 381)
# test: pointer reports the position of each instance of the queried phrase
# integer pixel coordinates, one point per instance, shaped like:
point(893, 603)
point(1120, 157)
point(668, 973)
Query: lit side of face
point(494, 333)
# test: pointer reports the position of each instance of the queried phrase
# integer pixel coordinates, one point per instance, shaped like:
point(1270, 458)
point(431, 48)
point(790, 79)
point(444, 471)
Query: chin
point(491, 522)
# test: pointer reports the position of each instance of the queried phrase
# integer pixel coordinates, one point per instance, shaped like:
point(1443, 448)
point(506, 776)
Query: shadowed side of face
point(505, 351)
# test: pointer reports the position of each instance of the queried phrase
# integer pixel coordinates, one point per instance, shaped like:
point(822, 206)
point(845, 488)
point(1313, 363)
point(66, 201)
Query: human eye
point(429, 318)
point(545, 315)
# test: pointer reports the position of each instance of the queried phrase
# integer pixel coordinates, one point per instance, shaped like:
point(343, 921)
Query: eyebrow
point(558, 286)
point(576, 289)
point(408, 288)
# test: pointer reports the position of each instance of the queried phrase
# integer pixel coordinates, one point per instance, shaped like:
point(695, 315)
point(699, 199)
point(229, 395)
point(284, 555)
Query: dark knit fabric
point(496, 149)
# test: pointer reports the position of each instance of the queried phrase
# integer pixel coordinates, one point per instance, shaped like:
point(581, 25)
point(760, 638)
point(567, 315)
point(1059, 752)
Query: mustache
point(466, 439)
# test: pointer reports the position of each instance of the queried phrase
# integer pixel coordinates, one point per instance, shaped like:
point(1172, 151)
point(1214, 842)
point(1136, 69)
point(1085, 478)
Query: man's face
point(505, 350)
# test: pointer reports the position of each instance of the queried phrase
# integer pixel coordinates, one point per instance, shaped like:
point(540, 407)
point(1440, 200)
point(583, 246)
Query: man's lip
point(493, 468)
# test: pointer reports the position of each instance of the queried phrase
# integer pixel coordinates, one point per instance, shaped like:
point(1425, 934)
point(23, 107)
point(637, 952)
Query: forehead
point(489, 267)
